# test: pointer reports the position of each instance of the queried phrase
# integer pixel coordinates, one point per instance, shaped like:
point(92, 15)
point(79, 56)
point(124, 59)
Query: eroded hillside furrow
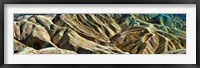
point(99, 34)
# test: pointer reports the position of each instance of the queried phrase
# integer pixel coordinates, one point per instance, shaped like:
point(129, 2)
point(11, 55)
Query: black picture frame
point(2, 2)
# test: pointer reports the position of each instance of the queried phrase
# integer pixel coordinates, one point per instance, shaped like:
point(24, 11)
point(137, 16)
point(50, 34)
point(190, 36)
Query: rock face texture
point(100, 34)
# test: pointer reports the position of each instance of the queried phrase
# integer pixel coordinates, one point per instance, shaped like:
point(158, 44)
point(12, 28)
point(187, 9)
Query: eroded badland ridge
point(100, 34)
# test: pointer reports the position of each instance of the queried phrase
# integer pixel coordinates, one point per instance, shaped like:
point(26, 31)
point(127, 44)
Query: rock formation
point(100, 34)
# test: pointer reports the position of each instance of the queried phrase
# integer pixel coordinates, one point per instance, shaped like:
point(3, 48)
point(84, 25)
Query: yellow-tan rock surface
point(99, 34)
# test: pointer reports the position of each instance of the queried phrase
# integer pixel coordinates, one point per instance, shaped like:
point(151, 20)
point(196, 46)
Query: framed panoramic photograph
point(157, 32)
